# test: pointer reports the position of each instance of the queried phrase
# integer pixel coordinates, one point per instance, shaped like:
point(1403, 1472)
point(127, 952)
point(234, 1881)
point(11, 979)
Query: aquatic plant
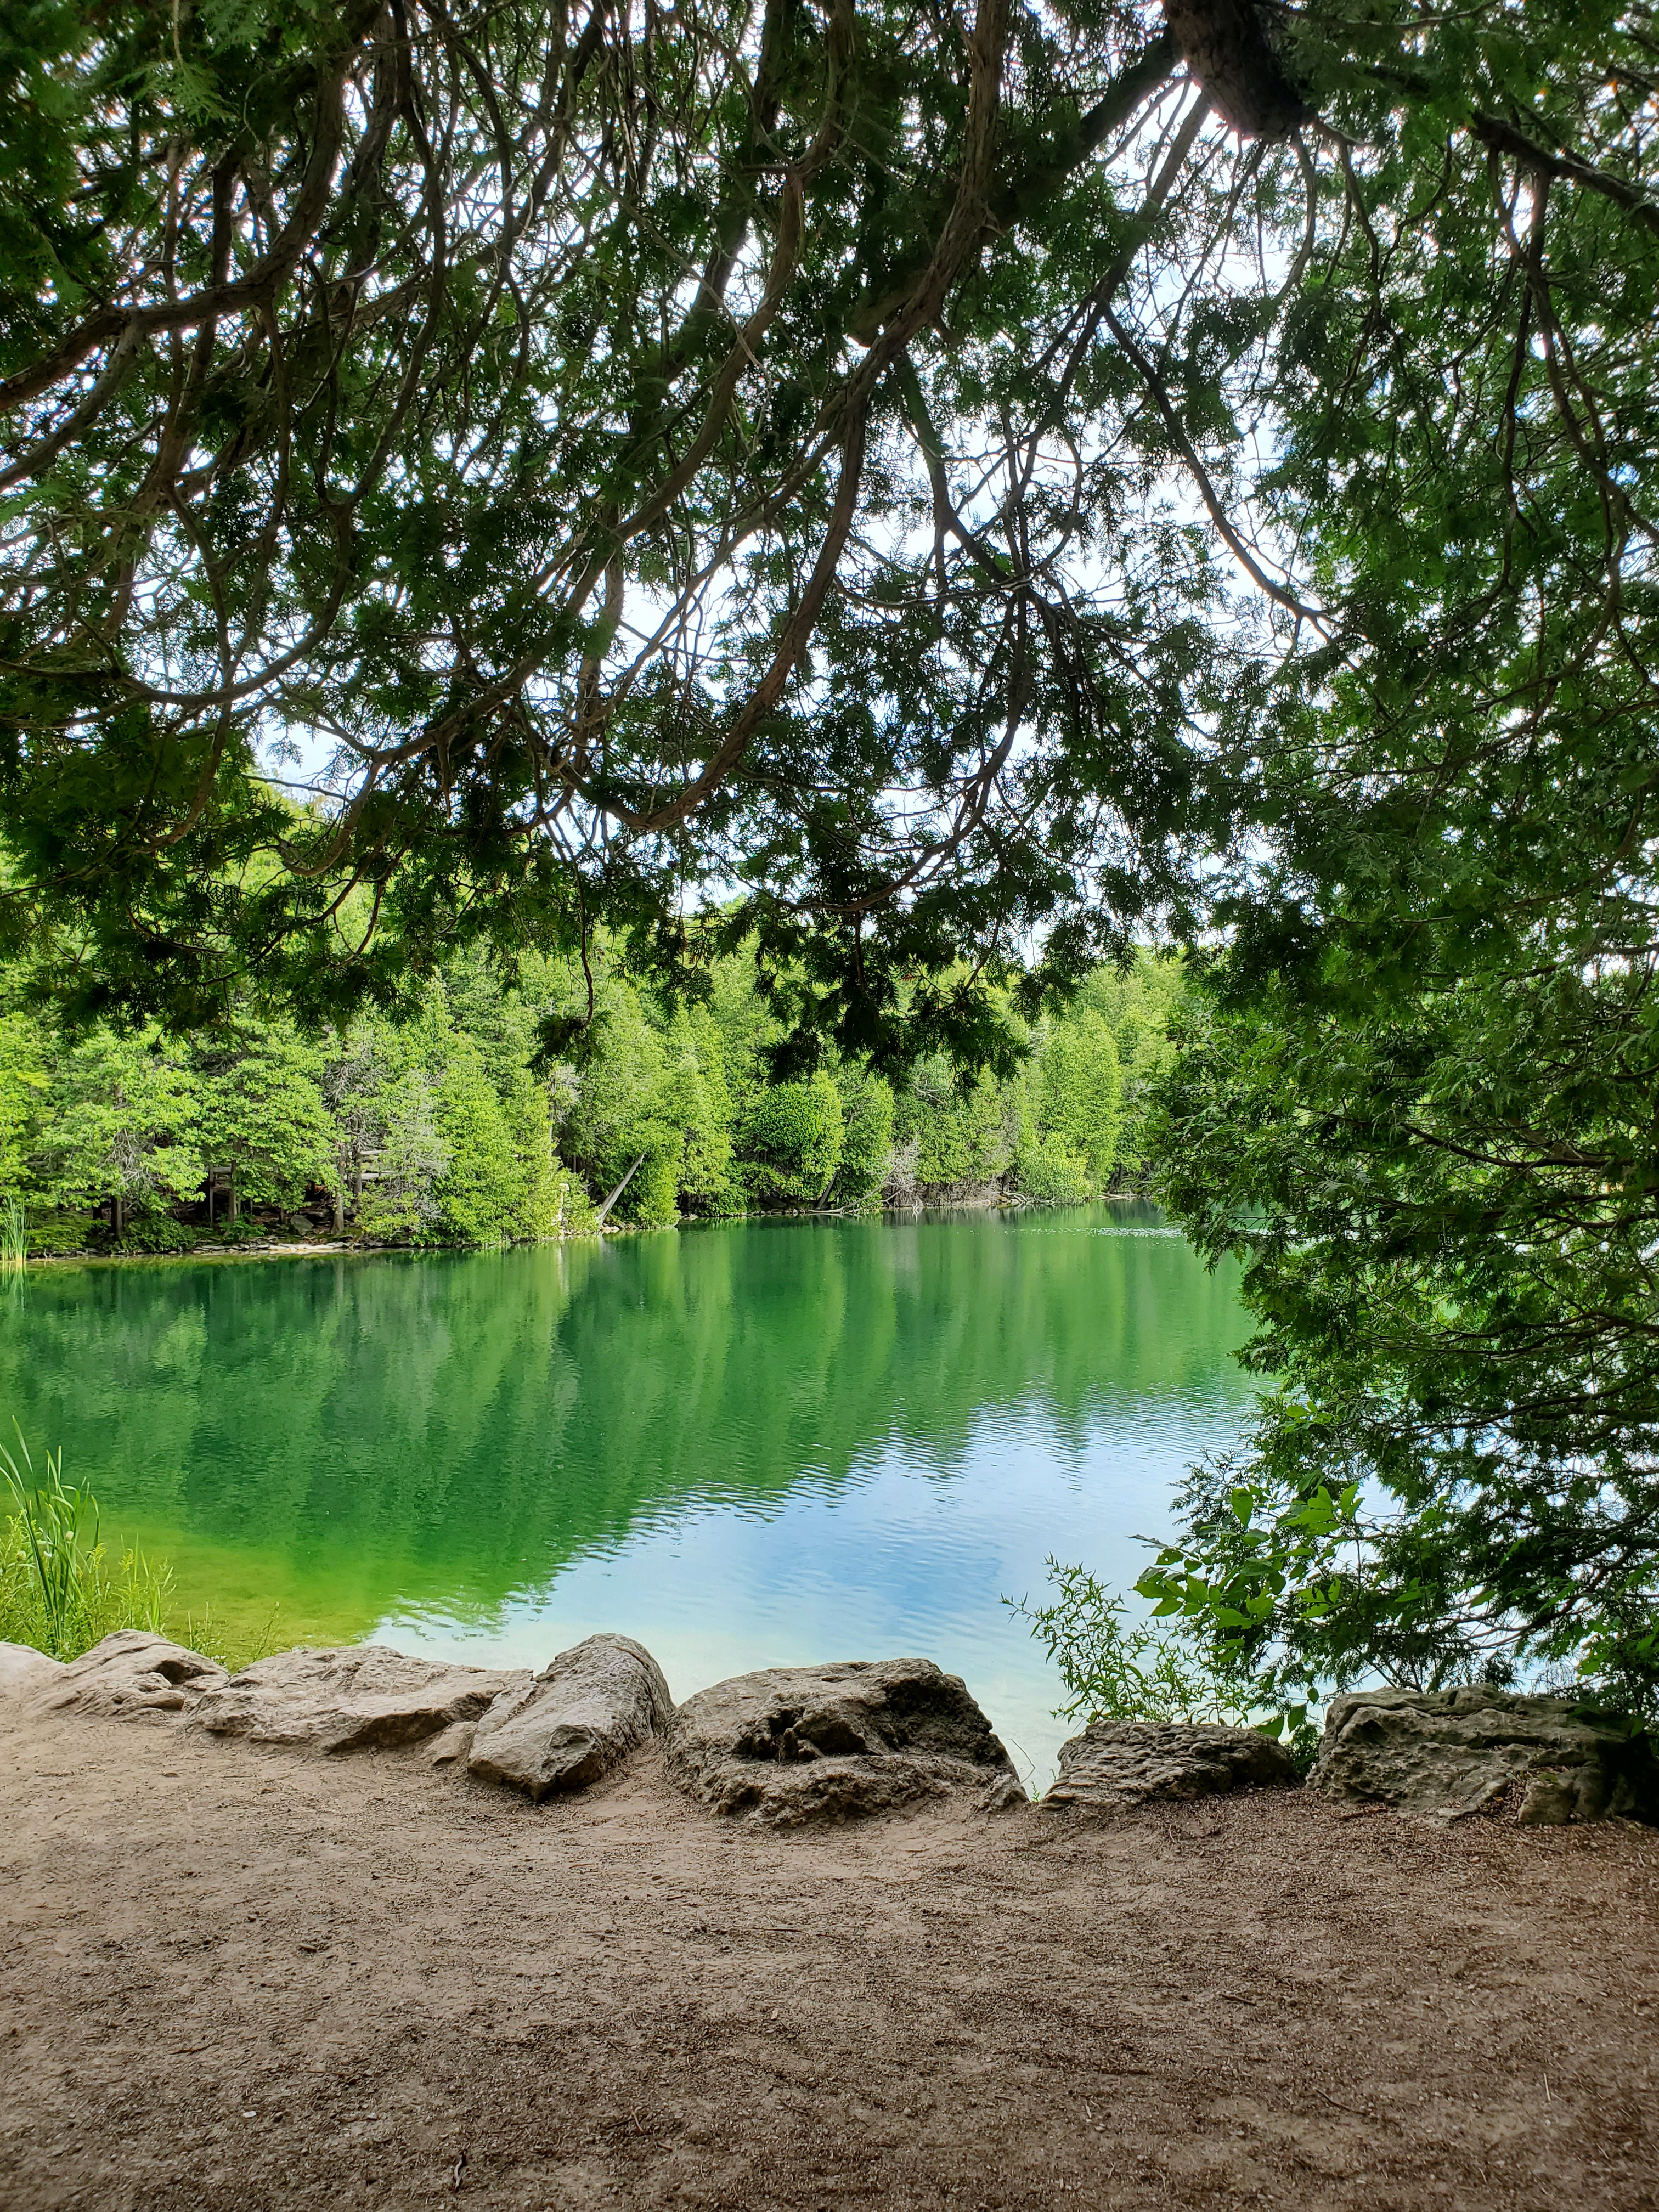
point(234, 1648)
point(56, 1591)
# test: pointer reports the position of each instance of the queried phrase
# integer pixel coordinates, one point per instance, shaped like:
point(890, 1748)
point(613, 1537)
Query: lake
point(762, 1444)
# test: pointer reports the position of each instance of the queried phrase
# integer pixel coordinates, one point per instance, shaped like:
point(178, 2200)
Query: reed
point(14, 1236)
point(57, 1590)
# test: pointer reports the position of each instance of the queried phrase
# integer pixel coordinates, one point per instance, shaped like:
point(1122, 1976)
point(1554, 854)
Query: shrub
point(159, 1232)
point(790, 1138)
point(1120, 1670)
point(1051, 1172)
point(58, 1234)
point(241, 1230)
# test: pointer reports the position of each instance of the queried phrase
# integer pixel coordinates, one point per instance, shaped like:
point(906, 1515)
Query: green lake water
point(760, 1444)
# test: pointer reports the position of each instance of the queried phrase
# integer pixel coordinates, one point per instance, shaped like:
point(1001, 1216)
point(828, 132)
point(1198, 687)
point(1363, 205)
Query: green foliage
point(409, 1157)
point(480, 1195)
point(22, 1094)
point(1141, 1005)
point(911, 578)
point(49, 1231)
point(450, 1125)
point(525, 1106)
point(261, 1116)
point(1049, 1172)
point(121, 1125)
point(1121, 1668)
point(954, 1134)
point(789, 1136)
point(1079, 1091)
point(437, 336)
point(55, 1591)
point(867, 1114)
point(156, 1233)
point(1441, 1185)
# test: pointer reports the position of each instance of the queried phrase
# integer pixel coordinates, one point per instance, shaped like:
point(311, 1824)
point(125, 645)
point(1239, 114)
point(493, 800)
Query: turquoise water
point(764, 1444)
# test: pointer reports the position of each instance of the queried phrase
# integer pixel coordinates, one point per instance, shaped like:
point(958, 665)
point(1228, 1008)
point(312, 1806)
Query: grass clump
point(61, 1593)
point(59, 1590)
point(234, 1648)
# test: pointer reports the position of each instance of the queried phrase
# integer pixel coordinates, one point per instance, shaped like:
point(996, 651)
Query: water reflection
point(767, 1442)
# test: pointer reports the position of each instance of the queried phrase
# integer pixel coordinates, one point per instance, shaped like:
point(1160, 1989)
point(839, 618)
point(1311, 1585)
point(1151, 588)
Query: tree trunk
point(598, 1218)
point(339, 1210)
point(1226, 49)
point(230, 1211)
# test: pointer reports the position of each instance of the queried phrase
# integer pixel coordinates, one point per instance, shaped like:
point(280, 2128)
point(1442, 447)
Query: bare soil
point(235, 1979)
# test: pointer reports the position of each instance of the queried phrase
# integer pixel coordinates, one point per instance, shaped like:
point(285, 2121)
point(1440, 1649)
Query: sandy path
point(234, 1979)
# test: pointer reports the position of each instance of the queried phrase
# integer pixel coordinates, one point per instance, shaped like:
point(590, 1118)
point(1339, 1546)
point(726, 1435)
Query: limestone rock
point(133, 1672)
point(361, 1697)
point(1453, 1752)
point(450, 1747)
point(585, 1710)
point(1121, 1763)
point(24, 1671)
point(793, 1744)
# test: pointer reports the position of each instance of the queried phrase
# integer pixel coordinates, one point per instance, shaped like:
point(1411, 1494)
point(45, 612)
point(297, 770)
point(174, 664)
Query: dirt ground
point(237, 1979)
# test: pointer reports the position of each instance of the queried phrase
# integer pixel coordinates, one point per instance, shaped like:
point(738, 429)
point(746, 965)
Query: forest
point(449, 1125)
point(919, 502)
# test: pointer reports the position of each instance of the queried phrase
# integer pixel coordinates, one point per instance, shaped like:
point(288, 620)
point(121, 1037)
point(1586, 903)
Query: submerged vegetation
point(455, 1125)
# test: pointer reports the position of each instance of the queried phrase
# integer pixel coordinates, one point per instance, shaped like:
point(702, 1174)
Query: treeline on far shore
point(451, 1125)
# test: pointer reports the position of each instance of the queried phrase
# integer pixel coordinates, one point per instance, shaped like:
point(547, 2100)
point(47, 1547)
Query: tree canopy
point(493, 470)
point(924, 492)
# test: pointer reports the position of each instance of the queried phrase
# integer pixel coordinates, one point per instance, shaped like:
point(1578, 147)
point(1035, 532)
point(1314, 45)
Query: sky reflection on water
point(755, 1444)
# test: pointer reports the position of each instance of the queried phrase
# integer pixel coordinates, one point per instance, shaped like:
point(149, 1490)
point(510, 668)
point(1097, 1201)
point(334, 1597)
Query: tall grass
point(14, 1236)
point(58, 1589)
point(60, 1592)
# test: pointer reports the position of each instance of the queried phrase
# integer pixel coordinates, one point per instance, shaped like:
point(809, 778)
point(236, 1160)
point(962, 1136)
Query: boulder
point(24, 1671)
point(585, 1710)
point(362, 1697)
point(1453, 1752)
point(793, 1744)
point(1123, 1763)
point(133, 1672)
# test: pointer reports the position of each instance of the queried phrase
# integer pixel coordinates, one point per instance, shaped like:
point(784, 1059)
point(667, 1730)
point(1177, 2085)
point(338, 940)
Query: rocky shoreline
point(787, 1748)
point(239, 1976)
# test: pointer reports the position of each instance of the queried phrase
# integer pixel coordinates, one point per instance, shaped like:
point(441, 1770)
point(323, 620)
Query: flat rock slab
point(794, 1744)
point(362, 1697)
point(1448, 1753)
point(1122, 1763)
point(133, 1672)
point(587, 1710)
